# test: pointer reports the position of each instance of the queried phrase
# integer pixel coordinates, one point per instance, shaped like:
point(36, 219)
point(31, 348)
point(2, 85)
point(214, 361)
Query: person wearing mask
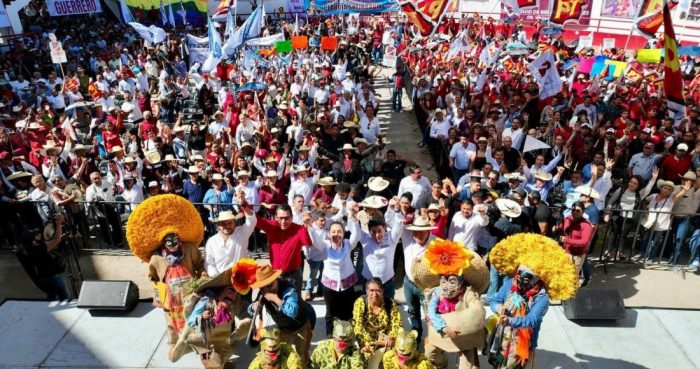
point(339, 350)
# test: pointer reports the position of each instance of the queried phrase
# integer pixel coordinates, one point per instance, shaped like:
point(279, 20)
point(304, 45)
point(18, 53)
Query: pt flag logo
point(425, 14)
point(566, 10)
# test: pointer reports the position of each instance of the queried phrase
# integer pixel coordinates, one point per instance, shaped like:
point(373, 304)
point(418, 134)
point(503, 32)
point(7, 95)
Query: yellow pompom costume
point(165, 231)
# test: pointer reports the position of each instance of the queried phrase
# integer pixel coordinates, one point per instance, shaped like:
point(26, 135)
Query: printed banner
point(295, 6)
point(58, 8)
point(650, 16)
point(389, 59)
point(619, 8)
point(425, 14)
point(4, 19)
point(193, 11)
point(266, 41)
point(567, 10)
point(328, 7)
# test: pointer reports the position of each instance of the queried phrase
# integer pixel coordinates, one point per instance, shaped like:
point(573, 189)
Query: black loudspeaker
point(108, 295)
point(595, 304)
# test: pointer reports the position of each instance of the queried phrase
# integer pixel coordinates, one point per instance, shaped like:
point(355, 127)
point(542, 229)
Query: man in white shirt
point(416, 184)
point(369, 124)
point(516, 133)
point(466, 225)
point(440, 126)
point(230, 244)
point(459, 157)
point(589, 108)
point(379, 245)
point(101, 194)
point(302, 184)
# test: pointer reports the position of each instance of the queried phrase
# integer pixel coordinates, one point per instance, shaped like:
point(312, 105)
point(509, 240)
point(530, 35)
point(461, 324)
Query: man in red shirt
point(285, 240)
point(674, 166)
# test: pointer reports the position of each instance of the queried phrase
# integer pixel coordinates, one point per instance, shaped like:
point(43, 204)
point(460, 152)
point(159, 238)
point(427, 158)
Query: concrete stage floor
point(58, 335)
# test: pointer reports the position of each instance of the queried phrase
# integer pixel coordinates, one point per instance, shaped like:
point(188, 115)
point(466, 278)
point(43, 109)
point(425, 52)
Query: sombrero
point(159, 216)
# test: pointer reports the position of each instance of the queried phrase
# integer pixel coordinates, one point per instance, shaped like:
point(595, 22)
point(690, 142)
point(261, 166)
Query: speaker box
point(108, 295)
point(595, 304)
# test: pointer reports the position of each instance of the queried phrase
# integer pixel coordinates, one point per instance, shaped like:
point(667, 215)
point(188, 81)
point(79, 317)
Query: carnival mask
point(451, 285)
point(343, 335)
point(406, 346)
point(526, 279)
point(171, 242)
point(270, 346)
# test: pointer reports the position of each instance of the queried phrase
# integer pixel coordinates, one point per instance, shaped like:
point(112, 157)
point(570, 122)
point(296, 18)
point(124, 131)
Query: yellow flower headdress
point(541, 254)
point(159, 216)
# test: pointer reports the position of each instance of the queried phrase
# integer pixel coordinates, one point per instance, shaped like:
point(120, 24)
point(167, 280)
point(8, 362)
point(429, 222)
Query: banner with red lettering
point(650, 16)
point(58, 8)
point(425, 14)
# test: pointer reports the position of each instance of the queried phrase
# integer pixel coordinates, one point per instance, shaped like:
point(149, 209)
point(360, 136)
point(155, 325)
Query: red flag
point(526, 3)
point(420, 20)
point(673, 80)
point(94, 91)
point(566, 10)
point(650, 16)
point(71, 84)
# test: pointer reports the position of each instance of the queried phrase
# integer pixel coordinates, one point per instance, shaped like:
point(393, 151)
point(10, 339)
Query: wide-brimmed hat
point(420, 223)
point(129, 159)
point(515, 176)
point(50, 148)
point(242, 173)
point(178, 129)
point(377, 184)
point(374, 202)
point(221, 280)
point(359, 140)
point(271, 173)
point(270, 159)
point(690, 175)
point(79, 147)
point(116, 149)
point(153, 157)
point(588, 191)
point(350, 124)
point(327, 181)
point(301, 168)
point(347, 146)
point(197, 157)
point(509, 208)
point(224, 216)
point(543, 176)
point(218, 112)
point(265, 275)
point(660, 183)
point(192, 169)
point(434, 207)
point(17, 175)
point(303, 148)
point(217, 177)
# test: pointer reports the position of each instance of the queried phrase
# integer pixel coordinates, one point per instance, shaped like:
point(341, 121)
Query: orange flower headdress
point(243, 275)
point(445, 257)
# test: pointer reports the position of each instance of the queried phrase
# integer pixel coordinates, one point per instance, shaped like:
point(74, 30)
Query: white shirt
point(321, 96)
point(101, 193)
point(369, 129)
point(467, 230)
point(57, 101)
point(460, 154)
point(304, 188)
point(663, 220)
point(379, 257)
point(413, 251)
point(221, 254)
point(133, 195)
point(516, 136)
point(419, 189)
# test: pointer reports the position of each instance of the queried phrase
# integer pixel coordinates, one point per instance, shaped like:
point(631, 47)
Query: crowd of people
point(301, 170)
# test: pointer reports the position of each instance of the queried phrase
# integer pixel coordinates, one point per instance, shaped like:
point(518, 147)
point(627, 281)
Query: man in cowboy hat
point(325, 192)
point(685, 205)
point(180, 144)
point(544, 182)
point(230, 243)
point(279, 305)
point(302, 183)
point(53, 164)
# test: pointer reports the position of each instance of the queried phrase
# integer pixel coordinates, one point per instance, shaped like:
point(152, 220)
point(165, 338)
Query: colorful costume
point(217, 317)
point(339, 352)
point(165, 231)
point(369, 326)
point(273, 354)
point(455, 306)
point(540, 269)
point(405, 354)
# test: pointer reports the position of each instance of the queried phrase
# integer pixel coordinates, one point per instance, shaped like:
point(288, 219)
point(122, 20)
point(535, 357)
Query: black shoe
point(586, 282)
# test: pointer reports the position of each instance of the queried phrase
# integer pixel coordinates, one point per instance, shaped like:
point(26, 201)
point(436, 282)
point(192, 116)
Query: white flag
point(230, 26)
point(215, 52)
point(532, 144)
point(251, 28)
point(158, 34)
point(171, 17)
point(143, 31)
point(126, 13)
point(544, 69)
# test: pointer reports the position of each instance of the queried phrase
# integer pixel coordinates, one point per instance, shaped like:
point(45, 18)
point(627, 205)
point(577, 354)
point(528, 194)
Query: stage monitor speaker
point(595, 304)
point(108, 295)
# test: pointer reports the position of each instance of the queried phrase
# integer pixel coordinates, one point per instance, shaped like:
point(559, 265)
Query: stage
point(51, 335)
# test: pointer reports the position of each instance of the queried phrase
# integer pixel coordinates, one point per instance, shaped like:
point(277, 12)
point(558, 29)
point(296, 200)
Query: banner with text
point(327, 7)
point(58, 8)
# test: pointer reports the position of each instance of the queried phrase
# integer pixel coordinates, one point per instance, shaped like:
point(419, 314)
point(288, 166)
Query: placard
point(608, 43)
point(389, 59)
point(59, 8)
point(585, 42)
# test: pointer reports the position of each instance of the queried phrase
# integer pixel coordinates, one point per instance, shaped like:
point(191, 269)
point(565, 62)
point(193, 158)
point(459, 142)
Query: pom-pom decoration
point(445, 257)
point(159, 216)
point(243, 275)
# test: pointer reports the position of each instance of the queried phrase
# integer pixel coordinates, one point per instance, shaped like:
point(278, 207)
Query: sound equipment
point(108, 295)
point(595, 304)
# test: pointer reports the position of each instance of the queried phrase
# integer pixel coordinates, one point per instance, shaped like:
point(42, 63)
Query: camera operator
point(101, 194)
point(43, 262)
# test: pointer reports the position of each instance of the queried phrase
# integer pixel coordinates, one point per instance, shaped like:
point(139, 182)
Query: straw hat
point(169, 157)
point(359, 140)
point(301, 168)
point(271, 173)
point(421, 223)
point(270, 159)
point(242, 173)
point(17, 175)
point(588, 191)
point(509, 208)
point(116, 149)
point(217, 177)
point(129, 160)
point(690, 175)
point(153, 157)
point(50, 148)
point(515, 176)
point(303, 148)
point(224, 216)
point(543, 176)
point(374, 202)
point(434, 207)
point(265, 275)
point(178, 129)
point(350, 124)
point(221, 280)
point(79, 147)
point(217, 113)
point(192, 169)
point(660, 183)
point(347, 146)
point(197, 158)
point(377, 184)
point(327, 181)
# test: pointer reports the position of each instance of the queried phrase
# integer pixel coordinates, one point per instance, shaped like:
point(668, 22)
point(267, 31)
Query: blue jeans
point(56, 288)
point(396, 99)
point(495, 282)
point(651, 242)
point(459, 173)
point(414, 299)
point(681, 225)
point(315, 270)
point(694, 246)
point(377, 54)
